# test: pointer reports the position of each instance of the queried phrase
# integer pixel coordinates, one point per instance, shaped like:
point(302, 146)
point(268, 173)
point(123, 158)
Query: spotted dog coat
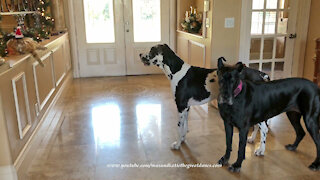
point(263, 127)
point(190, 85)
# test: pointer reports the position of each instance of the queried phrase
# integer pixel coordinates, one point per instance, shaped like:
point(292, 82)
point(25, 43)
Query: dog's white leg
point(182, 129)
point(185, 129)
point(254, 134)
point(263, 136)
point(186, 123)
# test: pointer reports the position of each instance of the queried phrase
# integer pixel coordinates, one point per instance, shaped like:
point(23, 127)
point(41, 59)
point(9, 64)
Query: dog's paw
point(175, 146)
point(259, 152)
point(223, 161)
point(250, 140)
point(315, 166)
point(183, 139)
point(234, 168)
point(291, 147)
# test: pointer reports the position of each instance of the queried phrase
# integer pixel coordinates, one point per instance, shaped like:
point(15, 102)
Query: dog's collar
point(238, 90)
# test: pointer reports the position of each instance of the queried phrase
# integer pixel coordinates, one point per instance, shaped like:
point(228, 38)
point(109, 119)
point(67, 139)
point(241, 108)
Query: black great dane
point(190, 85)
point(243, 103)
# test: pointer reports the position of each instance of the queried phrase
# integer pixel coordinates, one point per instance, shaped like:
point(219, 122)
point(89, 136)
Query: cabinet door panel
point(197, 53)
point(21, 100)
point(59, 64)
point(44, 80)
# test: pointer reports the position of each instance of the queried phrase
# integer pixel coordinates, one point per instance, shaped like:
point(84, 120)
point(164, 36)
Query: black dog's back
point(254, 75)
point(272, 98)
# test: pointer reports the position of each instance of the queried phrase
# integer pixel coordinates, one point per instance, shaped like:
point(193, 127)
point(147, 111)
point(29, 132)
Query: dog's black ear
point(239, 66)
point(166, 45)
point(220, 62)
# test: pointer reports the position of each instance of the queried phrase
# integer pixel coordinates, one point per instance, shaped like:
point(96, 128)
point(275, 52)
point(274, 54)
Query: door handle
point(292, 36)
point(127, 26)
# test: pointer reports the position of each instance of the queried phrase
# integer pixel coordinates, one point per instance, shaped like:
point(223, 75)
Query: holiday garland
point(40, 29)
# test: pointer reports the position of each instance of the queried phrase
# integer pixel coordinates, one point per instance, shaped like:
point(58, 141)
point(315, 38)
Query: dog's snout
point(225, 99)
point(230, 101)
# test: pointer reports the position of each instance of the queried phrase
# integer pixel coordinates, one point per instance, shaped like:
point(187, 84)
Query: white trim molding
point(173, 25)
point(245, 33)
point(73, 40)
point(60, 79)
point(302, 35)
point(22, 76)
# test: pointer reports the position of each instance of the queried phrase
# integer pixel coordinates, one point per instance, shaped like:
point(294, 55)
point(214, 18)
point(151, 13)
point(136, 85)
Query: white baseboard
point(8, 173)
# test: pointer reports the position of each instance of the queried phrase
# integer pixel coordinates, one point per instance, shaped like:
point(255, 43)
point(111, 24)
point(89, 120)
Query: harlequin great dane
point(257, 102)
point(190, 85)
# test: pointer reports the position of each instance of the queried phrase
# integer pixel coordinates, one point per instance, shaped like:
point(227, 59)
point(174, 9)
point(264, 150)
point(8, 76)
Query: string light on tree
point(44, 25)
point(41, 28)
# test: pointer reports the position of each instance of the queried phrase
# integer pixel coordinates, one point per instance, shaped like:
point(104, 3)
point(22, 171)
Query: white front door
point(112, 33)
point(146, 24)
point(267, 37)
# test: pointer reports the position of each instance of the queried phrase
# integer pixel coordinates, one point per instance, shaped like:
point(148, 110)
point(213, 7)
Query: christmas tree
point(39, 25)
point(43, 23)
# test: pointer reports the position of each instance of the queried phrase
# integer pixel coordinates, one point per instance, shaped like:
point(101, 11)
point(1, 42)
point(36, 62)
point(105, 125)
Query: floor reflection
point(148, 119)
point(106, 124)
point(89, 128)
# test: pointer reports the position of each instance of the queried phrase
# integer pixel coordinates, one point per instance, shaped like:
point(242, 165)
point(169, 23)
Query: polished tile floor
point(121, 120)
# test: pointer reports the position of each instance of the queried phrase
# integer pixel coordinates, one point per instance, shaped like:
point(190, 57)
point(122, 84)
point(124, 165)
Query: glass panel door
point(268, 37)
point(100, 37)
point(112, 33)
point(99, 21)
point(146, 20)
